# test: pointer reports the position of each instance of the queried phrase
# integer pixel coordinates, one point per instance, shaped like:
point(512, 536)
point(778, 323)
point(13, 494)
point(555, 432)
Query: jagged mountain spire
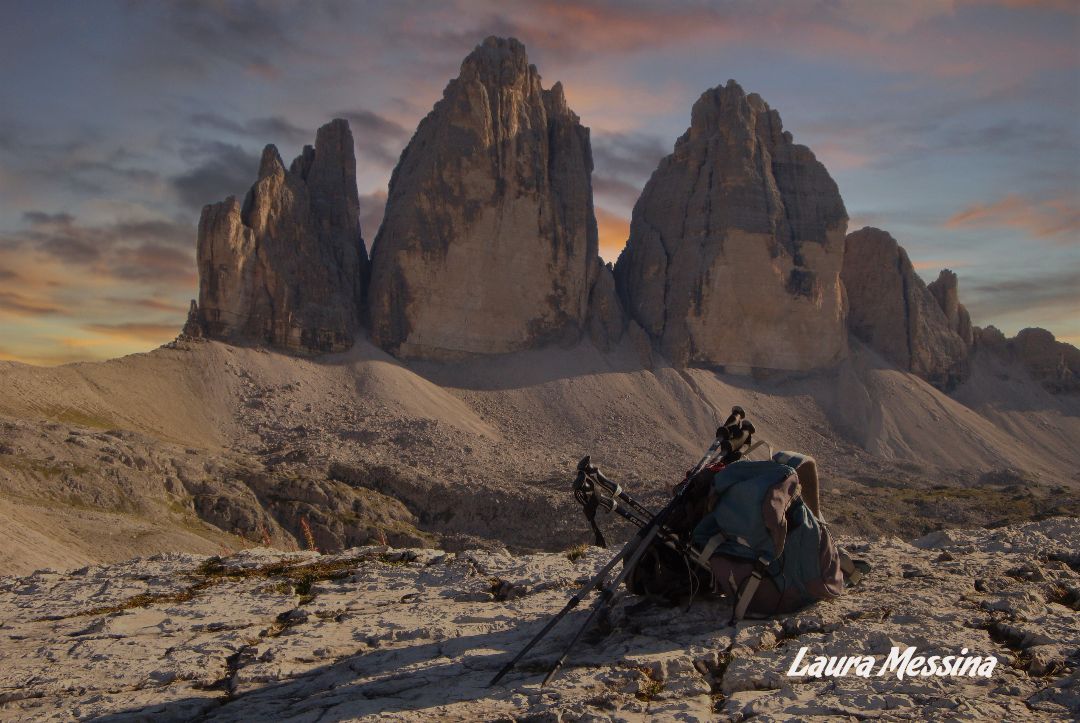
point(489, 243)
point(287, 266)
point(736, 244)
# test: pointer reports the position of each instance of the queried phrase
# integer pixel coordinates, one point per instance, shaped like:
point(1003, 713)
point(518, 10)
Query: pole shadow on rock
point(340, 691)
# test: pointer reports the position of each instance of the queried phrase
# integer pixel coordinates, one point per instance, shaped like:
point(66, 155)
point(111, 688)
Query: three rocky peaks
point(738, 255)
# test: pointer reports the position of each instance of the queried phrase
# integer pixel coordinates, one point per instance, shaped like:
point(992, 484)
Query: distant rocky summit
point(893, 311)
point(1053, 363)
point(736, 244)
point(286, 266)
point(489, 242)
point(737, 256)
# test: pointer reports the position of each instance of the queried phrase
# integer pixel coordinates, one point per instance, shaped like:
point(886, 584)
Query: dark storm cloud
point(223, 170)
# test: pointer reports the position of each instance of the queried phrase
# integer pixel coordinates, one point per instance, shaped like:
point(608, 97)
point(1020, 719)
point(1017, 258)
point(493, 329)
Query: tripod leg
point(596, 581)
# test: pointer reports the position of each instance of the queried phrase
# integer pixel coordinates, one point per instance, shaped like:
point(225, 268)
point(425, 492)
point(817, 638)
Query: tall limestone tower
point(286, 266)
point(489, 242)
point(736, 245)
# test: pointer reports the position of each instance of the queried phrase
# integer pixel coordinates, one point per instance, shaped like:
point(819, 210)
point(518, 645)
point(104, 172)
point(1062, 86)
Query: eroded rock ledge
point(418, 633)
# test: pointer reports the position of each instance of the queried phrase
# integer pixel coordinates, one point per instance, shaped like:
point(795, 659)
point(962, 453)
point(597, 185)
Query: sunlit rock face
point(736, 245)
point(893, 311)
point(489, 242)
point(286, 266)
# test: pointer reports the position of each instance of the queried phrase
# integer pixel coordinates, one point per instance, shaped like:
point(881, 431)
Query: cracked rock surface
point(406, 634)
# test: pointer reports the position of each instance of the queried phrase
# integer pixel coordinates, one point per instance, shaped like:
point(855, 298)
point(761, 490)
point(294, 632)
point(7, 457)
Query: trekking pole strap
point(590, 514)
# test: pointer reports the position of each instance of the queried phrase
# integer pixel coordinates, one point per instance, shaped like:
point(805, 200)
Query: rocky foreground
point(414, 634)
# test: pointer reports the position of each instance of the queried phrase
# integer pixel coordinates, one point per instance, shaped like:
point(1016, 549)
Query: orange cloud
point(938, 264)
point(15, 303)
point(1058, 217)
point(613, 229)
point(624, 27)
point(135, 331)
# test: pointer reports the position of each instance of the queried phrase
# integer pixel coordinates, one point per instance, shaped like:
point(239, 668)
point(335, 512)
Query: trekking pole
point(730, 438)
point(639, 543)
point(595, 582)
point(636, 547)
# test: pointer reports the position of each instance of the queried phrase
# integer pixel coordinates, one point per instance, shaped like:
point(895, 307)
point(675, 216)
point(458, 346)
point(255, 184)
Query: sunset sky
point(953, 124)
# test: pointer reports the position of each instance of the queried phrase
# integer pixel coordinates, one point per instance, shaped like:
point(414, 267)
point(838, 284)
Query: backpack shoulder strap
point(749, 589)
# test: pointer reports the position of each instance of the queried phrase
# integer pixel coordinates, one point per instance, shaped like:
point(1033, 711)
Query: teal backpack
point(748, 525)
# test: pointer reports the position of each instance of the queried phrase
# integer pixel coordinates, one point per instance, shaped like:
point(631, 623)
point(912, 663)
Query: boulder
point(736, 245)
point(892, 310)
point(287, 266)
point(489, 243)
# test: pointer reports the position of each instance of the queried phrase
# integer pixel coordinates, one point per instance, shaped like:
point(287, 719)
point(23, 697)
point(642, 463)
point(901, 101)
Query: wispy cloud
point(1057, 218)
point(272, 129)
point(157, 250)
point(1054, 295)
point(623, 162)
point(15, 303)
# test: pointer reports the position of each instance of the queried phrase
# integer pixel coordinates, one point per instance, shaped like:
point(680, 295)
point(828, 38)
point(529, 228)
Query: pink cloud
point(1054, 218)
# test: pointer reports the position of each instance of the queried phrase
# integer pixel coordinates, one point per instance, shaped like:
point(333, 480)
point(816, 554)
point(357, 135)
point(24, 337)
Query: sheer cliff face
point(892, 310)
point(736, 245)
point(489, 241)
point(286, 267)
